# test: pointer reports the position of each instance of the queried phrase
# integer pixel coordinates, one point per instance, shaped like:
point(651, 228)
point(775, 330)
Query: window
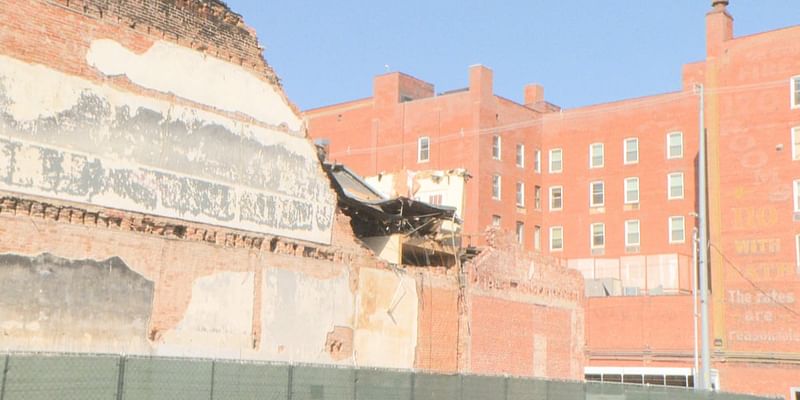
point(520, 194)
point(496, 220)
point(632, 232)
point(556, 161)
point(556, 238)
point(556, 198)
point(675, 185)
point(423, 149)
point(521, 155)
point(496, 147)
point(675, 145)
point(537, 161)
point(631, 151)
point(598, 236)
point(537, 238)
point(596, 155)
point(520, 231)
point(796, 143)
point(676, 230)
point(795, 88)
point(797, 250)
point(596, 194)
point(537, 197)
point(797, 196)
point(496, 187)
point(631, 190)
point(435, 199)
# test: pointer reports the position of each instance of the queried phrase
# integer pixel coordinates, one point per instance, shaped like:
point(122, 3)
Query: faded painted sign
point(67, 138)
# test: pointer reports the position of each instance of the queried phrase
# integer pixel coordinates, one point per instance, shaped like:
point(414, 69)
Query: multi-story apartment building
point(612, 189)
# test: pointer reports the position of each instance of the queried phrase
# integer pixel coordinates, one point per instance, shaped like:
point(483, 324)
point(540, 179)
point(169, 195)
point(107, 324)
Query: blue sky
point(583, 52)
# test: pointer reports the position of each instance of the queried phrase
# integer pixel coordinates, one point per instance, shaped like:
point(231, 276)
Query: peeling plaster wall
point(181, 69)
point(298, 311)
point(386, 329)
point(219, 318)
point(67, 138)
point(50, 303)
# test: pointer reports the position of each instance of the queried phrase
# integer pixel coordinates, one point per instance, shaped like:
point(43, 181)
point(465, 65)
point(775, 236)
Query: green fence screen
point(88, 377)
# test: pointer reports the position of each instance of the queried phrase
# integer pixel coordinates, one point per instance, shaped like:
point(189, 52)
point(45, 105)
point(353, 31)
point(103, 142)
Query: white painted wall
point(170, 68)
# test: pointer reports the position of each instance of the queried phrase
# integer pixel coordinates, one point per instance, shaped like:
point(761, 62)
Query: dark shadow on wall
point(49, 303)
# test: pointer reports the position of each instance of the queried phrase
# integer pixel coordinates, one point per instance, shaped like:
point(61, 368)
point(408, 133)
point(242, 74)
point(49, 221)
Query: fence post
point(5, 375)
point(413, 384)
point(120, 377)
point(289, 382)
point(211, 392)
point(355, 384)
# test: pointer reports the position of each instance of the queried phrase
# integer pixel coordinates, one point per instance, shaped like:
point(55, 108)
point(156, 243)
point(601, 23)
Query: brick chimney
point(719, 28)
point(534, 94)
point(480, 81)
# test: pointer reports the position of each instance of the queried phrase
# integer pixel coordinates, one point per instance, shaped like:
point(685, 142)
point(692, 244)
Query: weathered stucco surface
point(386, 327)
point(50, 303)
point(219, 318)
point(298, 311)
point(68, 138)
point(181, 70)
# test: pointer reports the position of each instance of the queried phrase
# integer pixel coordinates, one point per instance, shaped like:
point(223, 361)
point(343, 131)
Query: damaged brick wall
point(207, 25)
point(214, 289)
point(526, 313)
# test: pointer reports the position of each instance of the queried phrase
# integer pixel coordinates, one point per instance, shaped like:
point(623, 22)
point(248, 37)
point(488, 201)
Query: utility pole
point(694, 297)
point(703, 380)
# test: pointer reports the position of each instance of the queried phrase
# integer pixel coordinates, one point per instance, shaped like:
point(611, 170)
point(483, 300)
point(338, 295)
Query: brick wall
point(526, 313)
point(438, 331)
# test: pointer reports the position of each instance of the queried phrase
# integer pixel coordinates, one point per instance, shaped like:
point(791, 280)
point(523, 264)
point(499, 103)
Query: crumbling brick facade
point(196, 281)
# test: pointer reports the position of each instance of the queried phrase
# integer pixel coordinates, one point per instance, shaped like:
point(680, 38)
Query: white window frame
point(625, 150)
point(537, 197)
point(797, 251)
point(669, 186)
point(537, 159)
point(796, 143)
point(628, 243)
point(427, 141)
point(561, 161)
point(497, 220)
point(591, 194)
point(497, 147)
point(602, 231)
point(683, 229)
point(498, 180)
point(553, 229)
point(521, 194)
point(671, 156)
point(602, 148)
point(520, 155)
point(520, 230)
point(550, 198)
point(796, 192)
point(625, 189)
point(537, 237)
point(793, 95)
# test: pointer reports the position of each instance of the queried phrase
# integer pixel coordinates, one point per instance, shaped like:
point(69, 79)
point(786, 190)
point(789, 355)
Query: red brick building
point(611, 189)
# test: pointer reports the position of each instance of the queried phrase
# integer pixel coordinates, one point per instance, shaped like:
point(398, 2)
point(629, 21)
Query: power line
point(750, 281)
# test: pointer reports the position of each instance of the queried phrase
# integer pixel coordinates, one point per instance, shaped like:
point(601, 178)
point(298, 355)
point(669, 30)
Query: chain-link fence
point(88, 377)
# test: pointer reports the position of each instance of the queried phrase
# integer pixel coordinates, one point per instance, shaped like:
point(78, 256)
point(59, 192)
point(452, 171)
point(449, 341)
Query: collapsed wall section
point(158, 197)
